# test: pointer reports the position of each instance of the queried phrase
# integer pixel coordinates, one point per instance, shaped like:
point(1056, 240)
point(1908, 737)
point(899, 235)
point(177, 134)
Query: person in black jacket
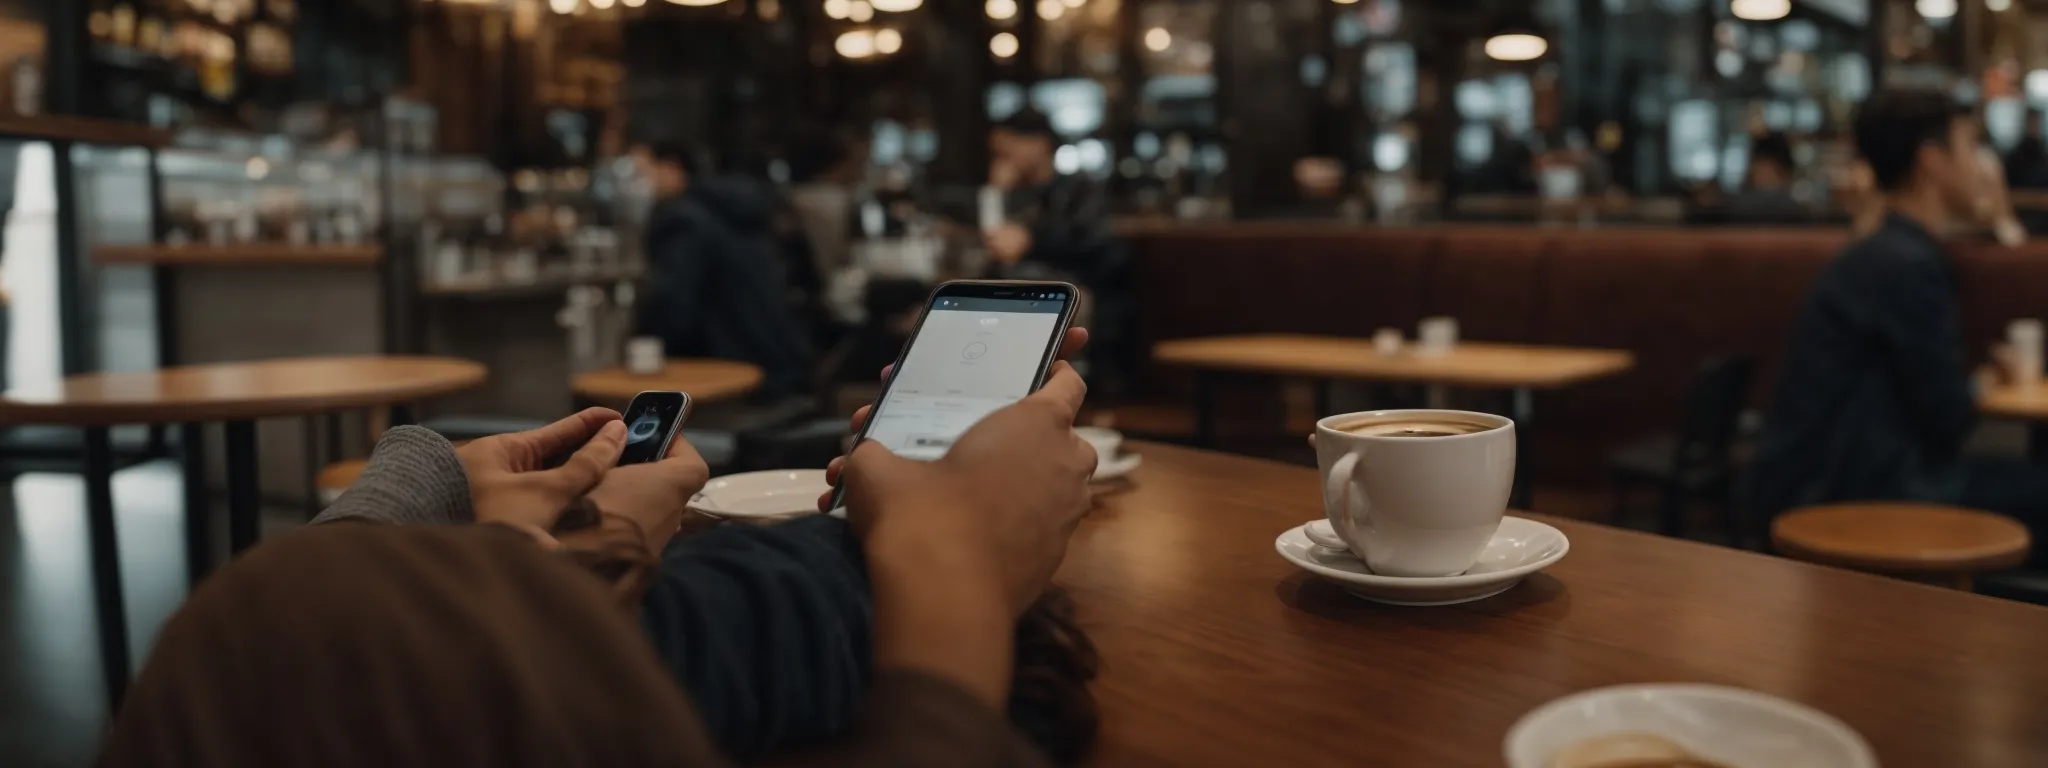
point(1059, 229)
point(1877, 397)
point(718, 278)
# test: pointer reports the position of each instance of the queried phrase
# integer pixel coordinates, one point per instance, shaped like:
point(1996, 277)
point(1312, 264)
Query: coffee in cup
point(1404, 426)
point(1414, 492)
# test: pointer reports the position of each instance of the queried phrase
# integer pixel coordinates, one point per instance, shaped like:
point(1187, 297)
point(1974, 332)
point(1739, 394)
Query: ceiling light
point(1004, 44)
point(888, 41)
point(1344, 2)
point(696, 3)
point(1001, 10)
point(602, 4)
point(562, 6)
point(633, 3)
point(1516, 47)
point(857, 44)
point(1760, 10)
point(1075, 3)
point(895, 6)
point(1998, 6)
point(859, 11)
point(1158, 39)
point(1936, 9)
point(1051, 9)
point(838, 8)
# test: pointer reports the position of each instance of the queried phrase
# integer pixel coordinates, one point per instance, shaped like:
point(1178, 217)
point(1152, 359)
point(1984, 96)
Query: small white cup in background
point(2025, 339)
point(645, 355)
point(1387, 341)
point(1438, 335)
point(1105, 441)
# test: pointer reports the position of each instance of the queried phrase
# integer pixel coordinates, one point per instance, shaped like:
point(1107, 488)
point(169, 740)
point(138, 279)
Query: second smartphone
point(652, 422)
point(979, 346)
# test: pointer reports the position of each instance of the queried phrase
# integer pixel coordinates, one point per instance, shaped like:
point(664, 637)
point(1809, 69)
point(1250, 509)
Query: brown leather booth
point(1674, 297)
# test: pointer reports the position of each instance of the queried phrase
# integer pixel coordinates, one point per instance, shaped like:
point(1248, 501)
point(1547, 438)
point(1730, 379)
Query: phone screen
point(971, 356)
point(650, 422)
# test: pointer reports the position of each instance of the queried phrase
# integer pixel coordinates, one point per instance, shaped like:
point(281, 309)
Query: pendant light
point(1517, 37)
point(1760, 10)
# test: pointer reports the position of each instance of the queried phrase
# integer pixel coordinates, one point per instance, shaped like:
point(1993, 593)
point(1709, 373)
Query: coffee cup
point(645, 355)
point(2024, 338)
point(1437, 335)
point(1105, 441)
point(1387, 341)
point(1414, 493)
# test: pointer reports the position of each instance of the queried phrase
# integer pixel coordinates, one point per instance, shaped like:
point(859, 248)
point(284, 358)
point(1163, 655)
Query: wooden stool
point(336, 478)
point(1921, 542)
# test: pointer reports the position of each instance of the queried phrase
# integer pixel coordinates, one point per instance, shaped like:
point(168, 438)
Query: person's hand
point(655, 495)
point(1008, 243)
point(1071, 346)
point(1000, 504)
point(508, 479)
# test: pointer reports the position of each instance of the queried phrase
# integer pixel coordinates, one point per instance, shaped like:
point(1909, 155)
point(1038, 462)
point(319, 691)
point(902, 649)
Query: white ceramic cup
point(1437, 335)
point(1415, 506)
point(1106, 442)
point(2025, 338)
point(645, 355)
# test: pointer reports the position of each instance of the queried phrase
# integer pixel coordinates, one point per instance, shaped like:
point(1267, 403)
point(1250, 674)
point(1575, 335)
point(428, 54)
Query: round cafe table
point(705, 380)
point(235, 394)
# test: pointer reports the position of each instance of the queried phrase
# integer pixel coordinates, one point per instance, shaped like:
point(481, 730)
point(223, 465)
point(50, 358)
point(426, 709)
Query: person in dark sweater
point(719, 284)
point(892, 638)
point(1877, 396)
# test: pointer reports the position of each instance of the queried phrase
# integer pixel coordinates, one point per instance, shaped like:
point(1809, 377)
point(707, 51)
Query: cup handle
point(1338, 486)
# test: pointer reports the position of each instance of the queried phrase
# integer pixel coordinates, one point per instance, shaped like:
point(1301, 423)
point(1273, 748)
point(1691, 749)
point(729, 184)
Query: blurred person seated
point(886, 641)
point(1058, 228)
point(1877, 398)
point(1766, 196)
point(717, 277)
point(2026, 167)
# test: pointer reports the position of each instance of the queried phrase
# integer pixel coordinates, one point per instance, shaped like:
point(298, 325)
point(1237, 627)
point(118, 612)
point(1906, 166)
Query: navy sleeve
point(770, 629)
point(1917, 319)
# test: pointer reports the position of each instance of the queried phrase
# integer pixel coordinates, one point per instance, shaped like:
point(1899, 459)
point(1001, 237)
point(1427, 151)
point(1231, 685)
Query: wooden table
point(706, 381)
point(234, 393)
point(1520, 369)
point(1218, 652)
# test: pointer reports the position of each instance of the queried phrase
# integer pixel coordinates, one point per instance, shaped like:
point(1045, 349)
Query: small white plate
point(1520, 547)
point(1116, 468)
point(769, 495)
point(1727, 725)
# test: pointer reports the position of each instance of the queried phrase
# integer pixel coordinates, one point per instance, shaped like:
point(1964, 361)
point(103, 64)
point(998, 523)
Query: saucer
point(1729, 725)
point(1520, 547)
point(1117, 468)
point(769, 495)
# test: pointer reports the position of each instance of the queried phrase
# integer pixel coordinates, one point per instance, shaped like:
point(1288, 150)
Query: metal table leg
point(1523, 411)
point(198, 508)
point(109, 606)
point(1205, 409)
point(243, 509)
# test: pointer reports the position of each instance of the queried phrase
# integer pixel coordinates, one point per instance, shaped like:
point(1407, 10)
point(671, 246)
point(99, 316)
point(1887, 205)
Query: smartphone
point(652, 422)
point(978, 346)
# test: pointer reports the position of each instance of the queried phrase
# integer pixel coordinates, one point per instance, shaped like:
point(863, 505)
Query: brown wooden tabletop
point(1218, 652)
point(2013, 402)
point(705, 380)
point(1471, 364)
point(238, 391)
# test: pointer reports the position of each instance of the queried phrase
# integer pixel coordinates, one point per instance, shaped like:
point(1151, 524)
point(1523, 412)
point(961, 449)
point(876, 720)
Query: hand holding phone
point(652, 422)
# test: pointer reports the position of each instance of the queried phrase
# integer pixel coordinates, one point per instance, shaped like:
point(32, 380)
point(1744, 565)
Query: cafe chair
point(1697, 462)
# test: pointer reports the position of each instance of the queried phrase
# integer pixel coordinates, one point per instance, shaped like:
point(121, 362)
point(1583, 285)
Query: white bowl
point(1737, 727)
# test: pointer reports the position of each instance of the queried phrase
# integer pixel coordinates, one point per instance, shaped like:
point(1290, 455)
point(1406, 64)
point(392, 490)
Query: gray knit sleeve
point(413, 477)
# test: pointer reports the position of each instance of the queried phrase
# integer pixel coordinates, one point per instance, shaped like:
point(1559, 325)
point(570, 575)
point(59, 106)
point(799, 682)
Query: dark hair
point(1773, 147)
point(1029, 122)
point(1894, 124)
point(675, 152)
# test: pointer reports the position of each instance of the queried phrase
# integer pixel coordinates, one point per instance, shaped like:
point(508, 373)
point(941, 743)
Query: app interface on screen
point(648, 420)
point(971, 357)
